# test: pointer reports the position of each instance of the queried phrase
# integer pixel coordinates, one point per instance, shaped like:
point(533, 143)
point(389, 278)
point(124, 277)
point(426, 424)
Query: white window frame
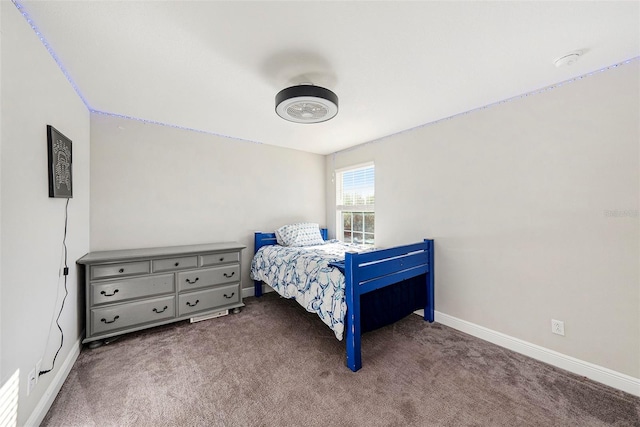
point(340, 208)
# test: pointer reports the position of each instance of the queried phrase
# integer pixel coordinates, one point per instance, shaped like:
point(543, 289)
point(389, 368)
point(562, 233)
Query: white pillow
point(302, 234)
point(278, 238)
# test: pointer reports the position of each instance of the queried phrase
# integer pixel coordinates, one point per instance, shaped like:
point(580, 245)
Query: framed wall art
point(60, 160)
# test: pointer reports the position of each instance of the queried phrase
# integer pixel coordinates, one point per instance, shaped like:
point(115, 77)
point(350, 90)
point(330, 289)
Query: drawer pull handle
point(229, 275)
point(177, 264)
point(229, 296)
point(115, 291)
point(190, 282)
point(121, 270)
point(221, 259)
point(160, 311)
point(103, 320)
point(194, 304)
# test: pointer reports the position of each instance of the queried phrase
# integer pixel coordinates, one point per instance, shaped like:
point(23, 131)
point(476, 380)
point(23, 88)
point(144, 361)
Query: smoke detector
point(568, 59)
point(306, 103)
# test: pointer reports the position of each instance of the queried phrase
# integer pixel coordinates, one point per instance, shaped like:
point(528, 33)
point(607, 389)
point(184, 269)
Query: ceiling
point(216, 66)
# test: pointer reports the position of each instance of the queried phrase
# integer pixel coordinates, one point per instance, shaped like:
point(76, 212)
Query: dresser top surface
point(167, 251)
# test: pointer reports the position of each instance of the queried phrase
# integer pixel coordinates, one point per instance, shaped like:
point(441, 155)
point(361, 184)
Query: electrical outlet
point(38, 368)
point(557, 327)
point(31, 381)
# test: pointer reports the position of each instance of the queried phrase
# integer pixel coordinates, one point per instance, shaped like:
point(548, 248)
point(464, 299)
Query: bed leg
point(257, 288)
point(429, 309)
point(352, 327)
point(354, 356)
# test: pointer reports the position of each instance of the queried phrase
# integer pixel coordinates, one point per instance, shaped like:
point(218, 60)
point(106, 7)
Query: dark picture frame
point(59, 149)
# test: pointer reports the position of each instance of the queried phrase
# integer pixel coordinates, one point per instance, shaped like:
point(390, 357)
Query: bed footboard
point(366, 272)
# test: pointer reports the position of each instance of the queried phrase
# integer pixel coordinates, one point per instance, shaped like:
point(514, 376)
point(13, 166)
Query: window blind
point(357, 189)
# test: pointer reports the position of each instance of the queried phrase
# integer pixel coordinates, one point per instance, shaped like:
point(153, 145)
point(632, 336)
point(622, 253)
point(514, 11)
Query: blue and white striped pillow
point(301, 234)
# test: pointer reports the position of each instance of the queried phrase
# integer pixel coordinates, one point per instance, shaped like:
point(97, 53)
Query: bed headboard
point(263, 239)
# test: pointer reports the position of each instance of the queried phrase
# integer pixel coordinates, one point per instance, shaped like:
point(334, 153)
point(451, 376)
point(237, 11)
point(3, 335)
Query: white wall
point(35, 93)
point(517, 197)
point(155, 185)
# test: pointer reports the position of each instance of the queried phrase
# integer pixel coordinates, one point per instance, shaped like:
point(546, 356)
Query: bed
point(367, 288)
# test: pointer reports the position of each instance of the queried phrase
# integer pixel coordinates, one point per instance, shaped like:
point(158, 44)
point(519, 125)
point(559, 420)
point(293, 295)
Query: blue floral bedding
point(305, 273)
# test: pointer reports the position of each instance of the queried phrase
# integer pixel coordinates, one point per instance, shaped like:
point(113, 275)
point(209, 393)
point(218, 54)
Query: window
point(355, 204)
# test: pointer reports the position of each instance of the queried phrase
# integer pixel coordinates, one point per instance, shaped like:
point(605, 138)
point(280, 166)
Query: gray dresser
point(134, 289)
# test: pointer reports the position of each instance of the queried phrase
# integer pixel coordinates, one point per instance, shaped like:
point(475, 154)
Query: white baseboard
point(49, 396)
point(250, 292)
point(597, 373)
point(247, 292)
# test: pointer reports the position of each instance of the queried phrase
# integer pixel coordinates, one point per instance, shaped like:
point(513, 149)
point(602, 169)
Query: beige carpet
point(276, 365)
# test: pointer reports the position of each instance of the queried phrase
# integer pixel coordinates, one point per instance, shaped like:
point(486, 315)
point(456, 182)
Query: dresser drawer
point(105, 292)
point(215, 259)
point(131, 314)
point(171, 264)
point(107, 271)
point(208, 299)
point(207, 277)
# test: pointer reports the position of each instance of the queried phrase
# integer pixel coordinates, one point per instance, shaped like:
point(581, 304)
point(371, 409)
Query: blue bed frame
point(369, 271)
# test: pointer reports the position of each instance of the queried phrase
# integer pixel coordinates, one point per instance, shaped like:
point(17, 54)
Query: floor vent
point(208, 316)
point(9, 401)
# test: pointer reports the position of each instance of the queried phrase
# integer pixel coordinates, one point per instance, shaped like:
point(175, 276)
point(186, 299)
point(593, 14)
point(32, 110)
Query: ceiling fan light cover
point(306, 104)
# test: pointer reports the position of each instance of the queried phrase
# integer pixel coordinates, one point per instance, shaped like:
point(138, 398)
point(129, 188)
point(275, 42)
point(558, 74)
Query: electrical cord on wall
point(65, 272)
